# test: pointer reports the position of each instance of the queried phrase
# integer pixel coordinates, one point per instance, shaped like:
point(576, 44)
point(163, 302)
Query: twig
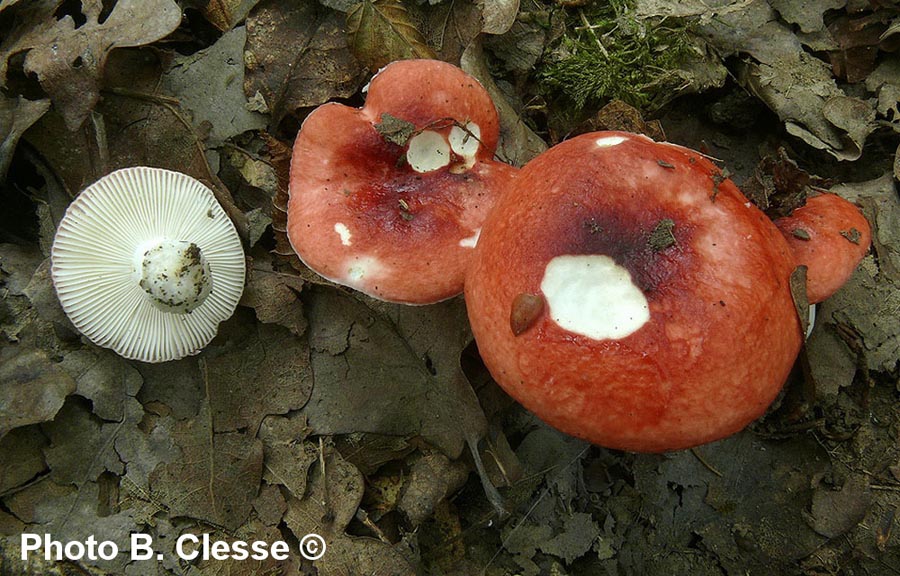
point(703, 461)
point(590, 30)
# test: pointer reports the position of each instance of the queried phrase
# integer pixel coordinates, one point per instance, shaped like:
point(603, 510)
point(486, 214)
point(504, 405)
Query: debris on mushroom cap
point(146, 262)
point(830, 236)
point(667, 318)
point(389, 198)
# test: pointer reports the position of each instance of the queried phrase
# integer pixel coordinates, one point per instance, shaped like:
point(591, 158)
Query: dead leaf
point(73, 514)
point(448, 27)
point(142, 448)
point(323, 511)
point(857, 39)
point(881, 206)
point(331, 502)
point(21, 452)
point(432, 478)
point(550, 454)
point(297, 56)
point(209, 85)
point(884, 81)
point(82, 447)
point(618, 115)
point(801, 300)
point(164, 535)
point(368, 452)
point(836, 512)
point(897, 164)
point(800, 92)
point(339, 5)
point(392, 370)
point(16, 116)
point(381, 31)
point(275, 297)
point(249, 532)
point(522, 541)
point(262, 369)
point(175, 387)
point(808, 16)
point(518, 143)
point(270, 505)
point(21, 320)
point(579, 531)
point(108, 381)
point(17, 266)
point(42, 295)
point(779, 186)
point(69, 60)
point(217, 477)
point(832, 364)
point(4, 4)
point(868, 303)
point(794, 84)
point(520, 48)
point(10, 526)
point(132, 126)
point(288, 455)
point(395, 130)
point(225, 14)
point(499, 15)
point(32, 387)
point(747, 512)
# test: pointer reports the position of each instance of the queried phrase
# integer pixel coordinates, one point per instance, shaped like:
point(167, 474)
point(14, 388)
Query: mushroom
point(830, 236)
point(389, 199)
point(146, 262)
point(628, 294)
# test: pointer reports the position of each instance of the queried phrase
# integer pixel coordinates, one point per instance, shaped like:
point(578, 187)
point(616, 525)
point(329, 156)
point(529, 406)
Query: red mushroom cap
point(390, 198)
point(830, 236)
point(627, 294)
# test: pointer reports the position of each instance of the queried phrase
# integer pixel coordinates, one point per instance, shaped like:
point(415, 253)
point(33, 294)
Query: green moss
point(607, 53)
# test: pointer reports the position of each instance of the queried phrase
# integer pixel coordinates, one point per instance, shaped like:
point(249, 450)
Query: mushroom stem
point(173, 274)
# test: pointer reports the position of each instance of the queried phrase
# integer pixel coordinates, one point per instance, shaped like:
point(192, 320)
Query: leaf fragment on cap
point(798, 294)
point(800, 233)
point(852, 235)
point(526, 309)
point(395, 130)
point(662, 237)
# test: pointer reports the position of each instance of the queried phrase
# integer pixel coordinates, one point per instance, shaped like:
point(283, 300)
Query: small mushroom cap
point(389, 199)
point(830, 236)
point(628, 294)
point(146, 262)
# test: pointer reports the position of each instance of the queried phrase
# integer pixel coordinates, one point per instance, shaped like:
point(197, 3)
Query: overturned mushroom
point(146, 262)
point(389, 199)
point(667, 318)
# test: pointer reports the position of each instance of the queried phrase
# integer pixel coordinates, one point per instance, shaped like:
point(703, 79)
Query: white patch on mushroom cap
point(344, 233)
point(360, 270)
point(465, 141)
point(609, 141)
point(94, 269)
point(428, 151)
point(593, 296)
